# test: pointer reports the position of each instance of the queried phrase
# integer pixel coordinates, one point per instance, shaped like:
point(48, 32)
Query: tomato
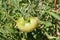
point(25, 26)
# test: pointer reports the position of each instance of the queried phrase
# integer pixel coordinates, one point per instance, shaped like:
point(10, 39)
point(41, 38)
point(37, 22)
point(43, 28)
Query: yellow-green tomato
point(27, 26)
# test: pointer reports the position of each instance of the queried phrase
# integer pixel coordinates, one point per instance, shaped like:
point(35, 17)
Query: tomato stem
point(7, 14)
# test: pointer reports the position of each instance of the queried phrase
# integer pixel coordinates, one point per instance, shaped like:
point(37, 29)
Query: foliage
point(11, 10)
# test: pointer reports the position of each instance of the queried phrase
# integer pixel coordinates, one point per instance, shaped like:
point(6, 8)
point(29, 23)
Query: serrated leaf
point(54, 15)
point(46, 23)
point(9, 29)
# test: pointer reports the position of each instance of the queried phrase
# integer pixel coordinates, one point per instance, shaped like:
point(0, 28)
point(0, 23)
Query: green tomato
point(27, 26)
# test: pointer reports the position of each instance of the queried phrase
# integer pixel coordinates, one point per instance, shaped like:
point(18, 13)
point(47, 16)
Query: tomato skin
point(27, 26)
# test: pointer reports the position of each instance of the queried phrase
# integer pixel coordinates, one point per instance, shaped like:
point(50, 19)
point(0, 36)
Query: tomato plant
point(45, 19)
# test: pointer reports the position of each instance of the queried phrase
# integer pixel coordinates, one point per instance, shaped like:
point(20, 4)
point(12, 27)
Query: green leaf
point(54, 15)
point(9, 29)
point(46, 23)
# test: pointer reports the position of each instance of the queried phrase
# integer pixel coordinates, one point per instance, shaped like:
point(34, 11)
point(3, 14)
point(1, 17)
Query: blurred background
point(48, 12)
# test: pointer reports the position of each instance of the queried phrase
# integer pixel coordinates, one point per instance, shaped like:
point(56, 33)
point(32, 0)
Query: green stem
point(7, 14)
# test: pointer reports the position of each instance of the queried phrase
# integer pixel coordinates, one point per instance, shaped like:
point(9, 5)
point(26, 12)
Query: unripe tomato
point(27, 26)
